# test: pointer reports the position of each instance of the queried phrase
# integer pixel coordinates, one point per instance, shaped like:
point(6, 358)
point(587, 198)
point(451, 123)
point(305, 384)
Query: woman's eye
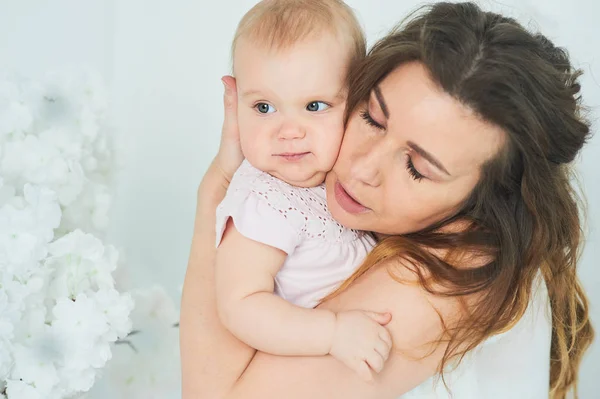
point(370, 121)
point(264, 108)
point(414, 173)
point(316, 106)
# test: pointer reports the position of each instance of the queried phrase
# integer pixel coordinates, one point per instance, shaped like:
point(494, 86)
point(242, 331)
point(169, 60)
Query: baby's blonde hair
point(279, 24)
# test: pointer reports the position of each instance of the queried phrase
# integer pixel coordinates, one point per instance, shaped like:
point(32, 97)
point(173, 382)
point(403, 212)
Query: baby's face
point(291, 107)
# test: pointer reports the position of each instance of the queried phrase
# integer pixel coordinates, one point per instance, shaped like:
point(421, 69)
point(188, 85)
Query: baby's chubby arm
point(245, 281)
point(245, 272)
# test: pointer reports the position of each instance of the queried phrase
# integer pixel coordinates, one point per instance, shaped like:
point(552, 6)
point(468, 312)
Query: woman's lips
point(348, 203)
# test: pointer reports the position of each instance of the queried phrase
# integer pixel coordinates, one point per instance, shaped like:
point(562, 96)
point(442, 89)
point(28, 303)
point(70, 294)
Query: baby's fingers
point(363, 370)
point(385, 336)
point(375, 361)
point(380, 318)
point(383, 349)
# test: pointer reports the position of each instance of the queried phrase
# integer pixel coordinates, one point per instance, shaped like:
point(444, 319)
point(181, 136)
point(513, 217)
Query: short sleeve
point(257, 220)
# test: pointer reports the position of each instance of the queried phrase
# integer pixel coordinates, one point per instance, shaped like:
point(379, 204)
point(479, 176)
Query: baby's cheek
point(331, 151)
point(253, 150)
point(335, 135)
point(246, 144)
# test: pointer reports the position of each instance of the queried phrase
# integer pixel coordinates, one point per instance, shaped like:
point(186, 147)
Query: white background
point(163, 61)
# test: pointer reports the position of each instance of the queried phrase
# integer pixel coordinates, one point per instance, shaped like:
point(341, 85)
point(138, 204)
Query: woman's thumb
point(381, 318)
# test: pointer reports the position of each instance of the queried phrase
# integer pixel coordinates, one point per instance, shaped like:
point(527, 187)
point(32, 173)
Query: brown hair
point(523, 214)
point(279, 24)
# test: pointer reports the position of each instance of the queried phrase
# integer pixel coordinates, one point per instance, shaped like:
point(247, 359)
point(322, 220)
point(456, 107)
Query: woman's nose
point(291, 130)
point(366, 166)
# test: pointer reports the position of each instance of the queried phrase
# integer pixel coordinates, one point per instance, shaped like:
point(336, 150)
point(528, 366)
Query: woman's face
point(410, 156)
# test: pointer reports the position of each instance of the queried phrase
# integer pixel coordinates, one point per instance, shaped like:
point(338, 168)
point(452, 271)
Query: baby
point(279, 250)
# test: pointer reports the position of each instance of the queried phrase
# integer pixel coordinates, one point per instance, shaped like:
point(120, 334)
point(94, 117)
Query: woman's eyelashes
point(414, 173)
point(370, 121)
point(410, 166)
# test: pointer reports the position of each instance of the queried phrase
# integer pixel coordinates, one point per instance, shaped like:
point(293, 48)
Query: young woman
point(461, 129)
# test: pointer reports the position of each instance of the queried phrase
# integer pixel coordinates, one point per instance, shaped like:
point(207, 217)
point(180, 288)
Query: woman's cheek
point(410, 208)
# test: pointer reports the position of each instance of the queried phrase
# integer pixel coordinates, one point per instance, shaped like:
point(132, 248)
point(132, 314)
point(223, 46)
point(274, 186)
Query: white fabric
point(321, 252)
point(512, 365)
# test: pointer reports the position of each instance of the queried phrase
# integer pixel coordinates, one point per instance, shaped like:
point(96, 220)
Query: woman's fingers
point(230, 128)
point(230, 152)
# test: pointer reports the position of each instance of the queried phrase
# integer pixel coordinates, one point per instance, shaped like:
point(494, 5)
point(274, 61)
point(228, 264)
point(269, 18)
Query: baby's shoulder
point(304, 208)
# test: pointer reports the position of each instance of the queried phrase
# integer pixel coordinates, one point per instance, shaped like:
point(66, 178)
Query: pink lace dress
point(321, 253)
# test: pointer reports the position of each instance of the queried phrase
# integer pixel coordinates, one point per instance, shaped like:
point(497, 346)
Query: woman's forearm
point(211, 358)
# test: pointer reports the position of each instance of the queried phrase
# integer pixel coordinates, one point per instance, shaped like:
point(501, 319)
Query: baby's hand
point(361, 341)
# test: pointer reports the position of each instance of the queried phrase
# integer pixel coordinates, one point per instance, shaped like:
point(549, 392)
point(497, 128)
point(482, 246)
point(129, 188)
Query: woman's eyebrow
point(430, 158)
point(381, 102)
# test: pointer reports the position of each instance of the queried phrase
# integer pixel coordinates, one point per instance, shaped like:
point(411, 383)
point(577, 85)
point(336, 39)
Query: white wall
point(38, 36)
point(164, 60)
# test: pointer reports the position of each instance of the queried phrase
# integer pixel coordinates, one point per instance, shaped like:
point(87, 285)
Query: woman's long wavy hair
point(524, 214)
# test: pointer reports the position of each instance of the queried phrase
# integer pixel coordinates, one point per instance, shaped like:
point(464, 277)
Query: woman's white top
point(511, 365)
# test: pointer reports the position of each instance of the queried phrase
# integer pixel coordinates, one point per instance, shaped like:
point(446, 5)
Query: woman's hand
point(230, 154)
point(218, 176)
point(212, 359)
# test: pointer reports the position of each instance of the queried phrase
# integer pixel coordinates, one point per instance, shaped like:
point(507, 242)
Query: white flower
point(7, 192)
point(6, 360)
point(80, 263)
point(40, 162)
point(15, 120)
point(66, 141)
point(90, 211)
point(46, 209)
point(78, 320)
point(32, 322)
point(32, 368)
point(25, 230)
point(22, 390)
point(59, 309)
point(82, 327)
point(149, 368)
point(116, 308)
point(6, 321)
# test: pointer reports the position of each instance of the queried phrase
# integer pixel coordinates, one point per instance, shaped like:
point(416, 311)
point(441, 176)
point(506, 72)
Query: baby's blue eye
point(264, 108)
point(316, 106)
